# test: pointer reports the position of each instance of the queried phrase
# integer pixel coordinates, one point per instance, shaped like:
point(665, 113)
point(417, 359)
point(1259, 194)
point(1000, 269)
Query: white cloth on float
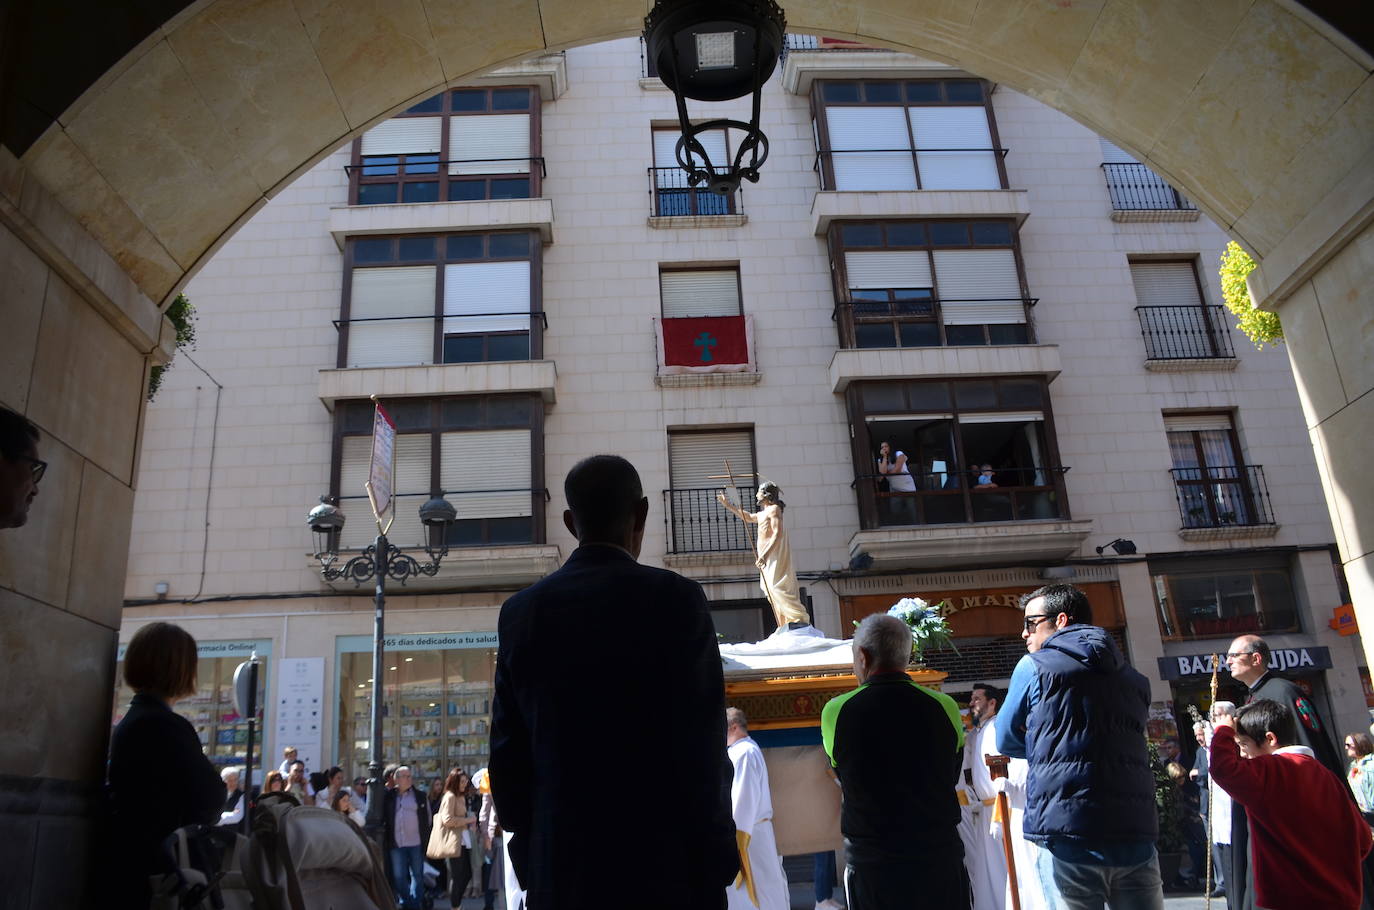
point(988, 874)
point(788, 649)
point(752, 806)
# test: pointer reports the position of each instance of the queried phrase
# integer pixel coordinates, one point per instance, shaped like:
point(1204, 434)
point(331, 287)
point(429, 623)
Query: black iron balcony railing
point(1136, 188)
point(673, 197)
point(1223, 497)
point(1185, 332)
point(825, 162)
point(386, 179)
point(468, 338)
point(694, 522)
point(955, 497)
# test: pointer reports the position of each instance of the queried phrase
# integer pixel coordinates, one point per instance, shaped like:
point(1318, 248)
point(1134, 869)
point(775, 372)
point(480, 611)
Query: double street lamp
point(379, 562)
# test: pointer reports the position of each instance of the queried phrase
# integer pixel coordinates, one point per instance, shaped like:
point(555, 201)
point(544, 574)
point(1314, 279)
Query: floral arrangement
point(929, 631)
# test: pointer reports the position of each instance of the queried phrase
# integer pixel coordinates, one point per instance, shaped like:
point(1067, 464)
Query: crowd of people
point(1054, 780)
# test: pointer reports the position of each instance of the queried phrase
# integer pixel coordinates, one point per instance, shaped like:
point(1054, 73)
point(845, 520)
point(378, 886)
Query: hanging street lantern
point(716, 51)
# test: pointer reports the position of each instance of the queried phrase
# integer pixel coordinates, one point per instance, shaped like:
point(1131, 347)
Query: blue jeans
point(408, 875)
point(823, 867)
point(1083, 886)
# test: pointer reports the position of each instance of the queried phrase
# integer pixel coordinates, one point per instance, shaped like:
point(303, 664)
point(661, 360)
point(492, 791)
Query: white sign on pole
point(383, 463)
point(300, 707)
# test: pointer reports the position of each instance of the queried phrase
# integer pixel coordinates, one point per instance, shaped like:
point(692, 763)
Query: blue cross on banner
point(705, 341)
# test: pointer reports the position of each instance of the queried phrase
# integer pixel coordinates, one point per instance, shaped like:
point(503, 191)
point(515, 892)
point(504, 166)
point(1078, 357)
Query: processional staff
point(730, 476)
point(1211, 786)
point(997, 768)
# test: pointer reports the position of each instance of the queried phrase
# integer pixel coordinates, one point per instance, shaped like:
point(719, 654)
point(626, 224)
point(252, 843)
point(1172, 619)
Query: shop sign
point(1281, 660)
point(241, 648)
point(421, 641)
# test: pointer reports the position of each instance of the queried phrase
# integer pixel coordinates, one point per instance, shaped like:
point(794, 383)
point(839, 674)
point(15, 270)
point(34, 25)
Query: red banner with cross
point(706, 344)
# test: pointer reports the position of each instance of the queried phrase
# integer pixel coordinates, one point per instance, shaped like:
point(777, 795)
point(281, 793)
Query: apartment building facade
point(518, 270)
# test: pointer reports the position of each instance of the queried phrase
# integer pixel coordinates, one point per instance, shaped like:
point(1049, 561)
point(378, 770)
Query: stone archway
point(1258, 109)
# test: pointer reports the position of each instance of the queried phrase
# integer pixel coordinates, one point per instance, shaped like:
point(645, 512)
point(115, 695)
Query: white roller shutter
point(854, 130)
point(1193, 422)
point(979, 287)
point(475, 141)
point(392, 292)
point(487, 460)
point(404, 136)
point(486, 287)
point(712, 292)
point(411, 484)
point(665, 155)
point(1165, 284)
point(1114, 154)
point(694, 457)
point(936, 128)
point(907, 269)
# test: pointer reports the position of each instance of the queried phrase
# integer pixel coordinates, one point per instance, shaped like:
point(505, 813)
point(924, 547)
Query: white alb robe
point(988, 873)
point(969, 807)
point(1023, 851)
point(752, 805)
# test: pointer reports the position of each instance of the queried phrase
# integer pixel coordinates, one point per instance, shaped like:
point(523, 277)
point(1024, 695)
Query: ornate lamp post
point(716, 51)
point(379, 561)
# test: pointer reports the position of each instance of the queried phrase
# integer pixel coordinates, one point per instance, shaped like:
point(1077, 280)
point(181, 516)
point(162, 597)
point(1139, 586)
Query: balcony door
point(696, 522)
point(1209, 474)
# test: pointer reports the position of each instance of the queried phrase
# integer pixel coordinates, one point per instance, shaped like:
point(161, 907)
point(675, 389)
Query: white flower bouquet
point(929, 631)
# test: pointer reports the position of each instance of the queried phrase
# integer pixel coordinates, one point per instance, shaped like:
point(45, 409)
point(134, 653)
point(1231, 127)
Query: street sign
point(383, 463)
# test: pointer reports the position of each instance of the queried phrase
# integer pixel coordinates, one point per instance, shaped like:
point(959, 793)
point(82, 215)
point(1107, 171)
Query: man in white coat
point(761, 884)
point(1023, 851)
point(987, 868)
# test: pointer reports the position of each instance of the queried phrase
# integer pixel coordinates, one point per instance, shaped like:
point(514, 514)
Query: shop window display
point(436, 711)
point(223, 732)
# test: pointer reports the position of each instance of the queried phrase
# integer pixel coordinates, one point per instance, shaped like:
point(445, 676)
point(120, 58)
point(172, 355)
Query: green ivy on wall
point(1260, 326)
point(183, 318)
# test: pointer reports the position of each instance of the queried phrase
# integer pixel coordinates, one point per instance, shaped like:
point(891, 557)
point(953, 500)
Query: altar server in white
point(761, 883)
point(1023, 851)
point(987, 870)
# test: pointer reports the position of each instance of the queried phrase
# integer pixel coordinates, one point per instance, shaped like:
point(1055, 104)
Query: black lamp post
point(378, 562)
point(716, 51)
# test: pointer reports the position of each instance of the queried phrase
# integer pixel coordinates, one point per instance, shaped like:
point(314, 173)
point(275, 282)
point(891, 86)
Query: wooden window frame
point(401, 179)
point(818, 113)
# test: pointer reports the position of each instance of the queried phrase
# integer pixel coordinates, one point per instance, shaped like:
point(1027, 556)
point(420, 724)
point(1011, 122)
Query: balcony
point(699, 531)
point(442, 217)
point(858, 365)
point(1223, 503)
point(1139, 194)
point(946, 522)
point(874, 205)
point(810, 58)
point(1180, 338)
point(676, 204)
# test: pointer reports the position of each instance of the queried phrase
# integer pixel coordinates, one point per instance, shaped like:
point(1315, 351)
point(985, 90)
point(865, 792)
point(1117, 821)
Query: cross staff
point(730, 476)
point(997, 767)
point(1211, 789)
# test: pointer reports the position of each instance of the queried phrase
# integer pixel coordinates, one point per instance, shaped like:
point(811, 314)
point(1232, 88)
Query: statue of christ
point(774, 560)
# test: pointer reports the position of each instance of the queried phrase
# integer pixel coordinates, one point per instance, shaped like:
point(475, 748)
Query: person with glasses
point(1360, 751)
point(20, 468)
point(1248, 660)
point(1076, 711)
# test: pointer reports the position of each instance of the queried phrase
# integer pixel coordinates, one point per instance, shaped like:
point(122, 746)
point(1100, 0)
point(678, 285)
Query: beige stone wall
point(75, 343)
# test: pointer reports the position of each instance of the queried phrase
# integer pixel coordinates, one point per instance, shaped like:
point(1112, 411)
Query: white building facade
point(518, 272)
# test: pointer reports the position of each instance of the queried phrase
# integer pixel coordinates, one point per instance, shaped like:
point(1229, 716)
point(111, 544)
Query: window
point(457, 298)
point(697, 465)
point(1134, 187)
point(464, 144)
point(672, 194)
point(437, 708)
point(948, 432)
point(1173, 318)
point(889, 135)
point(484, 453)
point(689, 293)
point(739, 621)
point(1215, 487)
point(923, 284)
point(1223, 598)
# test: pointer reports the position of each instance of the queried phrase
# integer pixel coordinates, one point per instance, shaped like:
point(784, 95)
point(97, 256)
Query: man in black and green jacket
point(897, 749)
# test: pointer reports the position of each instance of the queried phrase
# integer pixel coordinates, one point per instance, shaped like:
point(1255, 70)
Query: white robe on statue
point(988, 875)
point(752, 805)
point(1023, 851)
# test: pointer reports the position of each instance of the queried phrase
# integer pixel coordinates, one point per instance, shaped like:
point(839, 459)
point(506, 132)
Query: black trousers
point(904, 885)
point(459, 874)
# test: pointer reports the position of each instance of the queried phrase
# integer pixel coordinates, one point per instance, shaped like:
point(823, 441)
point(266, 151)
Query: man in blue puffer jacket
point(1076, 712)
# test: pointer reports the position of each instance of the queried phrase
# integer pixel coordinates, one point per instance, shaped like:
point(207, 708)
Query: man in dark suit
point(608, 676)
point(1248, 661)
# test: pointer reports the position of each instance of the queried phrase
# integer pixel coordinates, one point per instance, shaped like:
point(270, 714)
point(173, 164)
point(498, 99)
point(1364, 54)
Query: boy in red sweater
point(1307, 838)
